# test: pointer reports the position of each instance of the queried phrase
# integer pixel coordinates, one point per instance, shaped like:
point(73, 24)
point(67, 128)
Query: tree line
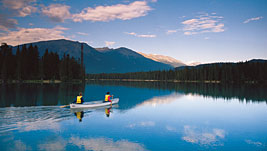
point(242, 72)
point(26, 64)
point(227, 91)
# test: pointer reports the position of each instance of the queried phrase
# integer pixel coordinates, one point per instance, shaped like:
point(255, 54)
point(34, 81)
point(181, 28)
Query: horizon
point(188, 64)
point(205, 32)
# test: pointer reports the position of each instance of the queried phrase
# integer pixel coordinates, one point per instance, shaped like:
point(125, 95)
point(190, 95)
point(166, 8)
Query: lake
point(149, 116)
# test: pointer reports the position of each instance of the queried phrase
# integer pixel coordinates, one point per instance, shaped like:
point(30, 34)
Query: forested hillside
point(26, 64)
point(254, 71)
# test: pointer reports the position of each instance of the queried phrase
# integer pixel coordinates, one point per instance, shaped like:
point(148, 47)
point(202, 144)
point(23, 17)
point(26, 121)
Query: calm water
point(149, 116)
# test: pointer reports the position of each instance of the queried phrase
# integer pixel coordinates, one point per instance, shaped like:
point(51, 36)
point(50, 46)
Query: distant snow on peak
point(194, 63)
point(103, 49)
point(164, 59)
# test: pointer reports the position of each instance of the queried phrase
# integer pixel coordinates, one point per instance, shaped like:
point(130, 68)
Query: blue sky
point(188, 30)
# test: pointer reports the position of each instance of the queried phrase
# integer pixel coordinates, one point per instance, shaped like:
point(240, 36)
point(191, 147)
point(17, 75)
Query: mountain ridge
point(164, 59)
point(120, 60)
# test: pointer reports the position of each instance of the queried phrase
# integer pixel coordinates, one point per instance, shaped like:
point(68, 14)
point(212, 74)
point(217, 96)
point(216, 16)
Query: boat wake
point(32, 118)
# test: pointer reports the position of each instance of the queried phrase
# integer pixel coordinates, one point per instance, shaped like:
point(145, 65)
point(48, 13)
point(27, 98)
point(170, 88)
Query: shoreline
point(39, 81)
point(176, 81)
point(124, 80)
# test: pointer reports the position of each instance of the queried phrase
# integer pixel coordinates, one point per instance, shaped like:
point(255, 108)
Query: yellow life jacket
point(79, 100)
point(106, 111)
point(106, 97)
point(79, 115)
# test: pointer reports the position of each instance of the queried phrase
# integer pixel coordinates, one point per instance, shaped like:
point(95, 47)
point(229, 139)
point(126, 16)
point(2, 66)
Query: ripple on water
point(32, 118)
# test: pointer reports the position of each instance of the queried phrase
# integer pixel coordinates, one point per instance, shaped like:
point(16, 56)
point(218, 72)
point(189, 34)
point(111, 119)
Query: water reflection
point(211, 137)
point(159, 100)
point(106, 144)
point(142, 124)
point(96, 144)
point(107, 111)
point(256, 143)
point(147, 117)
point(246, 92)
point(79, 115)
point(132, 93)
point(77, 143)
point(32, 118)
point(38, 94)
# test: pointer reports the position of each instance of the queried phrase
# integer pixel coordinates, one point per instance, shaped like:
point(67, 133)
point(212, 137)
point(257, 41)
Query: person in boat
point(107, 98)
point(79, 99)
point(79, 115)
point(107, 111)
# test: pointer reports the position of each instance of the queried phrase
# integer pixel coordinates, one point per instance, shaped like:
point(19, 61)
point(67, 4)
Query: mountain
point(127, 60)
point(102, 60)
point(163, 59)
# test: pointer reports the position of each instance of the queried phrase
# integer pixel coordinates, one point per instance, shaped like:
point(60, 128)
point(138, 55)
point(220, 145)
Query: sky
point(202, 31)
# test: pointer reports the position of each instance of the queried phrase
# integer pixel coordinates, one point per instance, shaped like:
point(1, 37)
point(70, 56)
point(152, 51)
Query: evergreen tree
point(23, 61)
point(41, 68)
point(46, 65)
point(35, 62)
point(63, 68)
point(18, 61)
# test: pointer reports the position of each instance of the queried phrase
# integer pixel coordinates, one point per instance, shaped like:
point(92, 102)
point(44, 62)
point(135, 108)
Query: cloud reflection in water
point(142, 124)
point(211, 138)
point(32, 118)
point(99, 144)
point(161, 100)
point(96, 144)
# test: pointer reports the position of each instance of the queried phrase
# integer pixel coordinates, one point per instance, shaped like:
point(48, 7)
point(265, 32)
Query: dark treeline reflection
point(38, 94)
point(247, 92)
point(64, 93)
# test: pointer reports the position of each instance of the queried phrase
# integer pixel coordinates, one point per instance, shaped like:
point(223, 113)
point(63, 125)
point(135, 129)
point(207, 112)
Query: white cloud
point(171, 32)
point(204, 23)
point(253, 142)
point(109, 43)
point(56, 144)
point(166, 99)
point(142, 35)
point(6, 23)
point(147, 36)
point(21, 7)
point(91, 144)
point(147, 123)
point(106, 144)
point(39, 125)
point(192, 135)
point(108, 13)
point(252, 19)
point(142, 124)
point(171, 129)
point(16, 4)
point(27, 10)
point(131, 33)
point(57, 12)
point(28, 35)
point(81, 33)
point(20, 146)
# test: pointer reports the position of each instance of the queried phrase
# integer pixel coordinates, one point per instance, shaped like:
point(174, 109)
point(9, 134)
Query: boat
point(93, 104)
